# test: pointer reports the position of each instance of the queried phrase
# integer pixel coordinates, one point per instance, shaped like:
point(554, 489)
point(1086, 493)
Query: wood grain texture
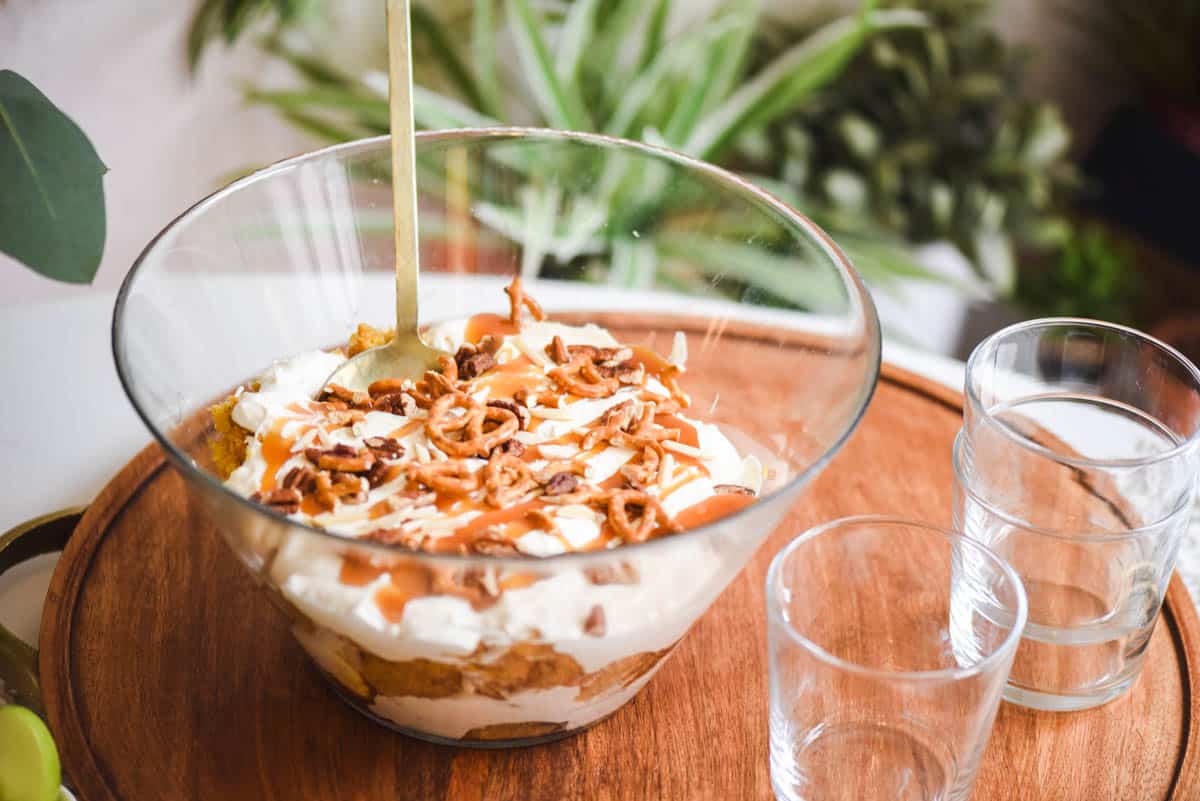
point(168, 675)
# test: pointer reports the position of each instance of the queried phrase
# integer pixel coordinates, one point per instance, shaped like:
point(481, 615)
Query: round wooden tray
point(167, 675)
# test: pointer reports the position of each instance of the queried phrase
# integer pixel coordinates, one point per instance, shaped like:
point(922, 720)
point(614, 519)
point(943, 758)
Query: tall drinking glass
point(1077, 463)
point(890, 643)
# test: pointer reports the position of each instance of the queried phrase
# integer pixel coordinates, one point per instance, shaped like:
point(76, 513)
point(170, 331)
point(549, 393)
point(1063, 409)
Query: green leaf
point(369, 110)
point(684, 51)
point(483, 55)
point(798, 72)
point(52, 200)
point(435, 112)
point(425, 22)
point(653, 40)
point(711, 80)
point(812, 287)
point(577, 33)
point(562, 110)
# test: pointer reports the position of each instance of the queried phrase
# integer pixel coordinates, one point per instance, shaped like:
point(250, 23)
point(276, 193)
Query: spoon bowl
point(403, 357)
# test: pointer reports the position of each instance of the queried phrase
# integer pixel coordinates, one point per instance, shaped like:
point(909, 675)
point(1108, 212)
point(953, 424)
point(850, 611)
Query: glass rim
point(857, 294)
point(1133, 462)
point(1003, 651)
point(965, 485)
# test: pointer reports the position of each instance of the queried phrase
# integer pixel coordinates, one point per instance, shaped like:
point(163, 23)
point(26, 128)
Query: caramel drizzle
point(508, 497)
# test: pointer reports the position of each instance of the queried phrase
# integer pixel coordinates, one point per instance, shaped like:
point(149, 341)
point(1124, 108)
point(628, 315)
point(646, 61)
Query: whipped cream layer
point(286, 422)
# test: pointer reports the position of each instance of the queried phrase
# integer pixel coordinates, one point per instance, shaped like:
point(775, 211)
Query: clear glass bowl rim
point(972, 394)
point(1003, 651)
point(855, 287)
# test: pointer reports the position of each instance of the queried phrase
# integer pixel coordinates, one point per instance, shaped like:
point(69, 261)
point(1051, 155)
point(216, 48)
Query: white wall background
point(117, 67)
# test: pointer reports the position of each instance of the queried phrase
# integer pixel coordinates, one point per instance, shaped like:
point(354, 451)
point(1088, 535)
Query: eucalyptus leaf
point(52, 215)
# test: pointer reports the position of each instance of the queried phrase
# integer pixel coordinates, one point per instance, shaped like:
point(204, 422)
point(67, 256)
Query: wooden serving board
point(167, 675)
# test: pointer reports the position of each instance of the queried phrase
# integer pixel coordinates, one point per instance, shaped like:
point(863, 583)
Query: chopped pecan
point(400, 403)
point(594, 626)
point(285, 500)
point(384, 447)
point(561, 484)
point(520, 411)
point(625, 372)
point(510, 447)
point(732, 489)
point(303, 479)
point(380, 473)
point(476, 365)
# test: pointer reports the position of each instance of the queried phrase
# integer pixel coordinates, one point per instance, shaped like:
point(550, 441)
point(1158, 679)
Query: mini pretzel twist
point(582, 377)
point(613, 421)
point(468, 434)
point(453, 477)
point(646, 471)
point(506, 479)
point(637, 529)
point(518, 301)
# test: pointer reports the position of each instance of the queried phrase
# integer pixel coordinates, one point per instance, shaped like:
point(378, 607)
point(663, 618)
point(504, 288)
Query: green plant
point(52, 201)
point(229, 19)
point(602, 65)
point(926, 134)
point(1091, 276)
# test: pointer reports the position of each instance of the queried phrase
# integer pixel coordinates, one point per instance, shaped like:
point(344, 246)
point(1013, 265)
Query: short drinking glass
point(1077, 464)
point(890, 642)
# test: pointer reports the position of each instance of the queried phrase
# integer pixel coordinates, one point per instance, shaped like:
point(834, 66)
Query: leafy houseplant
point(602, 65)
point(926, 134)
point(52, 202)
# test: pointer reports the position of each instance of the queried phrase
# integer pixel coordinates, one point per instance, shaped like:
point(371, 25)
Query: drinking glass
point(890, 642)
point(1077, 463)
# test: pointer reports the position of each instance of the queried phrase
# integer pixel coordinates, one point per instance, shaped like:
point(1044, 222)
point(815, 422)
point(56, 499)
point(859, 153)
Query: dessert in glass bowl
point(505, 550)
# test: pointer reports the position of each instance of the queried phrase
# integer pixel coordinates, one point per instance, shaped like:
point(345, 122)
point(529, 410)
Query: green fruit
point(29, 769)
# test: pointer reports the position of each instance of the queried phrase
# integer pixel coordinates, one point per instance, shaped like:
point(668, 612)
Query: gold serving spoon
point(406, 355)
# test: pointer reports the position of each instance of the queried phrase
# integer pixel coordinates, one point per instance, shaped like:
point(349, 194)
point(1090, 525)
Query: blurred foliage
point(1153, 46)
point(927, 133)
point(894, 127)
point(229, 19)
point(1091, 276)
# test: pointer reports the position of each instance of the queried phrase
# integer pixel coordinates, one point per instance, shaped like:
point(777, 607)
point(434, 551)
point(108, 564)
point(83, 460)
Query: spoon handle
point(404, 170)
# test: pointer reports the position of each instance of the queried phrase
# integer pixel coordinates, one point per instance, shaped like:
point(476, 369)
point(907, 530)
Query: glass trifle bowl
point(421, 616)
